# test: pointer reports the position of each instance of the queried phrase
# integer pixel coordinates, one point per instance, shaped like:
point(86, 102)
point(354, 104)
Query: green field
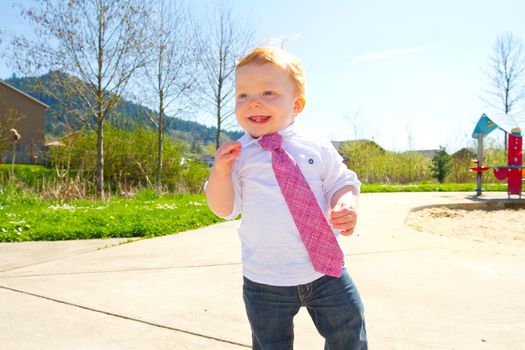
point(431, 187)
point(25, 216)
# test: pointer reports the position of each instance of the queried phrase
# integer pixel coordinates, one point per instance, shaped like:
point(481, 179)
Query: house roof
point(429, 153)
point(23, 93)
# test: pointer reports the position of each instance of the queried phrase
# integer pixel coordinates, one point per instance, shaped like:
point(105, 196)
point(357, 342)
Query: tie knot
point(271, 142)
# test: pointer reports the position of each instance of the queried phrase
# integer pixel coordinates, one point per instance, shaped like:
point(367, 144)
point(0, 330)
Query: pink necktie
point(324, 251)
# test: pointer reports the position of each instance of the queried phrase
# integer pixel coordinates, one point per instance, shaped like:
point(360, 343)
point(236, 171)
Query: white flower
point(64, 206)
point(166, 206)
point(17, 222)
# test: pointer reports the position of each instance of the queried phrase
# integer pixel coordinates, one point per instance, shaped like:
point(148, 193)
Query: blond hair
point(279, 57)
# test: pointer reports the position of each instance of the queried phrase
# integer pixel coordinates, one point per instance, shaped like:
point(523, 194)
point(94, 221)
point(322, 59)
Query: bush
point(194, 175)
point(460, 163)
point(440, 167)
point(130, 160)
point(375, 165)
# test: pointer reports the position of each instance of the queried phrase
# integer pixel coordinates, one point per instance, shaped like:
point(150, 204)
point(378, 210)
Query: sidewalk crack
point(127, 317)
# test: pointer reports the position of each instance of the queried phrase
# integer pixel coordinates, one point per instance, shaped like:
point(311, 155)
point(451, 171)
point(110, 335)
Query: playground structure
point(514, 171)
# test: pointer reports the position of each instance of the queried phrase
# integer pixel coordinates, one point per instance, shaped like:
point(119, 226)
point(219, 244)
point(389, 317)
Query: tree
point(170, 68)
point(99, 42)
point(506, 73)
point(440, 167)
point(357, 123)
point(222, 39)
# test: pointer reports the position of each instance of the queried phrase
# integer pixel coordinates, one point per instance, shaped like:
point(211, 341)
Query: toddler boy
point(290, 254)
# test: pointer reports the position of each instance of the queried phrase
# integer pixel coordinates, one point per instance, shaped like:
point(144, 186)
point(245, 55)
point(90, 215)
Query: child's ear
point(299, 104)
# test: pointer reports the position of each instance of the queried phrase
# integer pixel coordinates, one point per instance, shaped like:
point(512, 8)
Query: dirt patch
point(503, 226)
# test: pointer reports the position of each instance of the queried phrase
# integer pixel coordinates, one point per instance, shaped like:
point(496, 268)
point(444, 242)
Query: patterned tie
point(324, 251)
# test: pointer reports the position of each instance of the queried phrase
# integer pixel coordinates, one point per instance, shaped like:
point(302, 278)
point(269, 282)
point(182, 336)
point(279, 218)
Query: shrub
point(130, 160)
point(194, 175)
point(440, 166)
point(460, 163)
point(375, 165)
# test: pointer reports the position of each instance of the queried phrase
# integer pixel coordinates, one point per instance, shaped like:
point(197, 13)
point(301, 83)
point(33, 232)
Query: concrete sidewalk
point(421, 291)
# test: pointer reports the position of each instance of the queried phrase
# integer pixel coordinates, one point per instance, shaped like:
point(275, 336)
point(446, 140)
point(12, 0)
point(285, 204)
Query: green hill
point(60, 119)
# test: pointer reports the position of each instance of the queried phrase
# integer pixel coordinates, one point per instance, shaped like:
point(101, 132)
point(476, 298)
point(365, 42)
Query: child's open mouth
point(259, 119)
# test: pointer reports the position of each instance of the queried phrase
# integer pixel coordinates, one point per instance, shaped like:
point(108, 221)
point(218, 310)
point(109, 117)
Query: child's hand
point(343, 217)
point(225, 157)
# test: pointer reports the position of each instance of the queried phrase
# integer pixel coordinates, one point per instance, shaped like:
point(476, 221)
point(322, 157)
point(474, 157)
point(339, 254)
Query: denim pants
point(333, 303)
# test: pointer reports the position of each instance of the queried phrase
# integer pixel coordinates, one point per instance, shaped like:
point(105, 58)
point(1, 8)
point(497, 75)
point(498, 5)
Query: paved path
point(421, 291)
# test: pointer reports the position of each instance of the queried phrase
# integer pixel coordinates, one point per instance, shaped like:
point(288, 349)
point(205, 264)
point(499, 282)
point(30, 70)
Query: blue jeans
point(333, 303)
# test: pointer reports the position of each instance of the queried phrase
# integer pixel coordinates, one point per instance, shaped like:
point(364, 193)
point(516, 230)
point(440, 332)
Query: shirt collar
point(285, 132)
point(288, 130)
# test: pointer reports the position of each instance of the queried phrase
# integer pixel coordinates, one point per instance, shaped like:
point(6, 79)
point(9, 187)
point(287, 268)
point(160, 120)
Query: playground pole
point(479, 174)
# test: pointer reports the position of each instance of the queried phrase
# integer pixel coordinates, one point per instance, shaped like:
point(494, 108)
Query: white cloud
point(391, 53)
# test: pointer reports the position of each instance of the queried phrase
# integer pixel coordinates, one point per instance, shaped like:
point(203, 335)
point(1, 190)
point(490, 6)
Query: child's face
point(266, 99)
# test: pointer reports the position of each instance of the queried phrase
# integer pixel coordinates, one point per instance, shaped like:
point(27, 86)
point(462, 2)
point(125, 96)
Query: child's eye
point(268, 93)
point(241, 96)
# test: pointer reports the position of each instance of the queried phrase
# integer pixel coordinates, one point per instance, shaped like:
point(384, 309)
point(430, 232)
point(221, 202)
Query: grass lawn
point(147, 215)
point(431, 187)
point(27, 217)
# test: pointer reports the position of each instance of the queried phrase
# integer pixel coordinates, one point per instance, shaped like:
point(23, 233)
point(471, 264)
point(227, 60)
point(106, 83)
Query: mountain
point(60, 119)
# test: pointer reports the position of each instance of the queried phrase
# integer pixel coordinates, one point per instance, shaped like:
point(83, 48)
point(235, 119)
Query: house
point(24, 113)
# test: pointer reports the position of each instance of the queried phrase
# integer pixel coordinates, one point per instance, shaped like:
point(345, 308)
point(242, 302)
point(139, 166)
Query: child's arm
point(219, 192)
point(343, 215)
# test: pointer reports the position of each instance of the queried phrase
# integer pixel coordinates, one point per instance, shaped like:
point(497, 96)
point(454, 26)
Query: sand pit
point(502, 226)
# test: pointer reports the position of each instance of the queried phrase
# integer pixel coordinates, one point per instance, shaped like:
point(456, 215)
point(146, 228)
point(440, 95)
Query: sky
point(407, 74)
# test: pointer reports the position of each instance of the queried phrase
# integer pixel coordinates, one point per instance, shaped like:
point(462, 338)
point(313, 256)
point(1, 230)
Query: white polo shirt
point(272, 249)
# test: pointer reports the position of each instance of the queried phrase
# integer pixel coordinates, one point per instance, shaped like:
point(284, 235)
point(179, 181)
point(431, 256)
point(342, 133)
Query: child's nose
point(254, 103)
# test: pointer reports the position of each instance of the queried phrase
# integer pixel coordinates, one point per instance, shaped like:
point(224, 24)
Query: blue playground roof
point(486, 125)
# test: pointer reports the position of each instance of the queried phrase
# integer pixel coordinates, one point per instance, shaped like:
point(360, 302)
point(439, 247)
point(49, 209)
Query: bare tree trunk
point(15, 136)
point(219, 118)
point(100, 159)
point(100, 112)
point(13, 159)
point(507, 110)
point(12, 172)
point(158, 182)
point(218, 131)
